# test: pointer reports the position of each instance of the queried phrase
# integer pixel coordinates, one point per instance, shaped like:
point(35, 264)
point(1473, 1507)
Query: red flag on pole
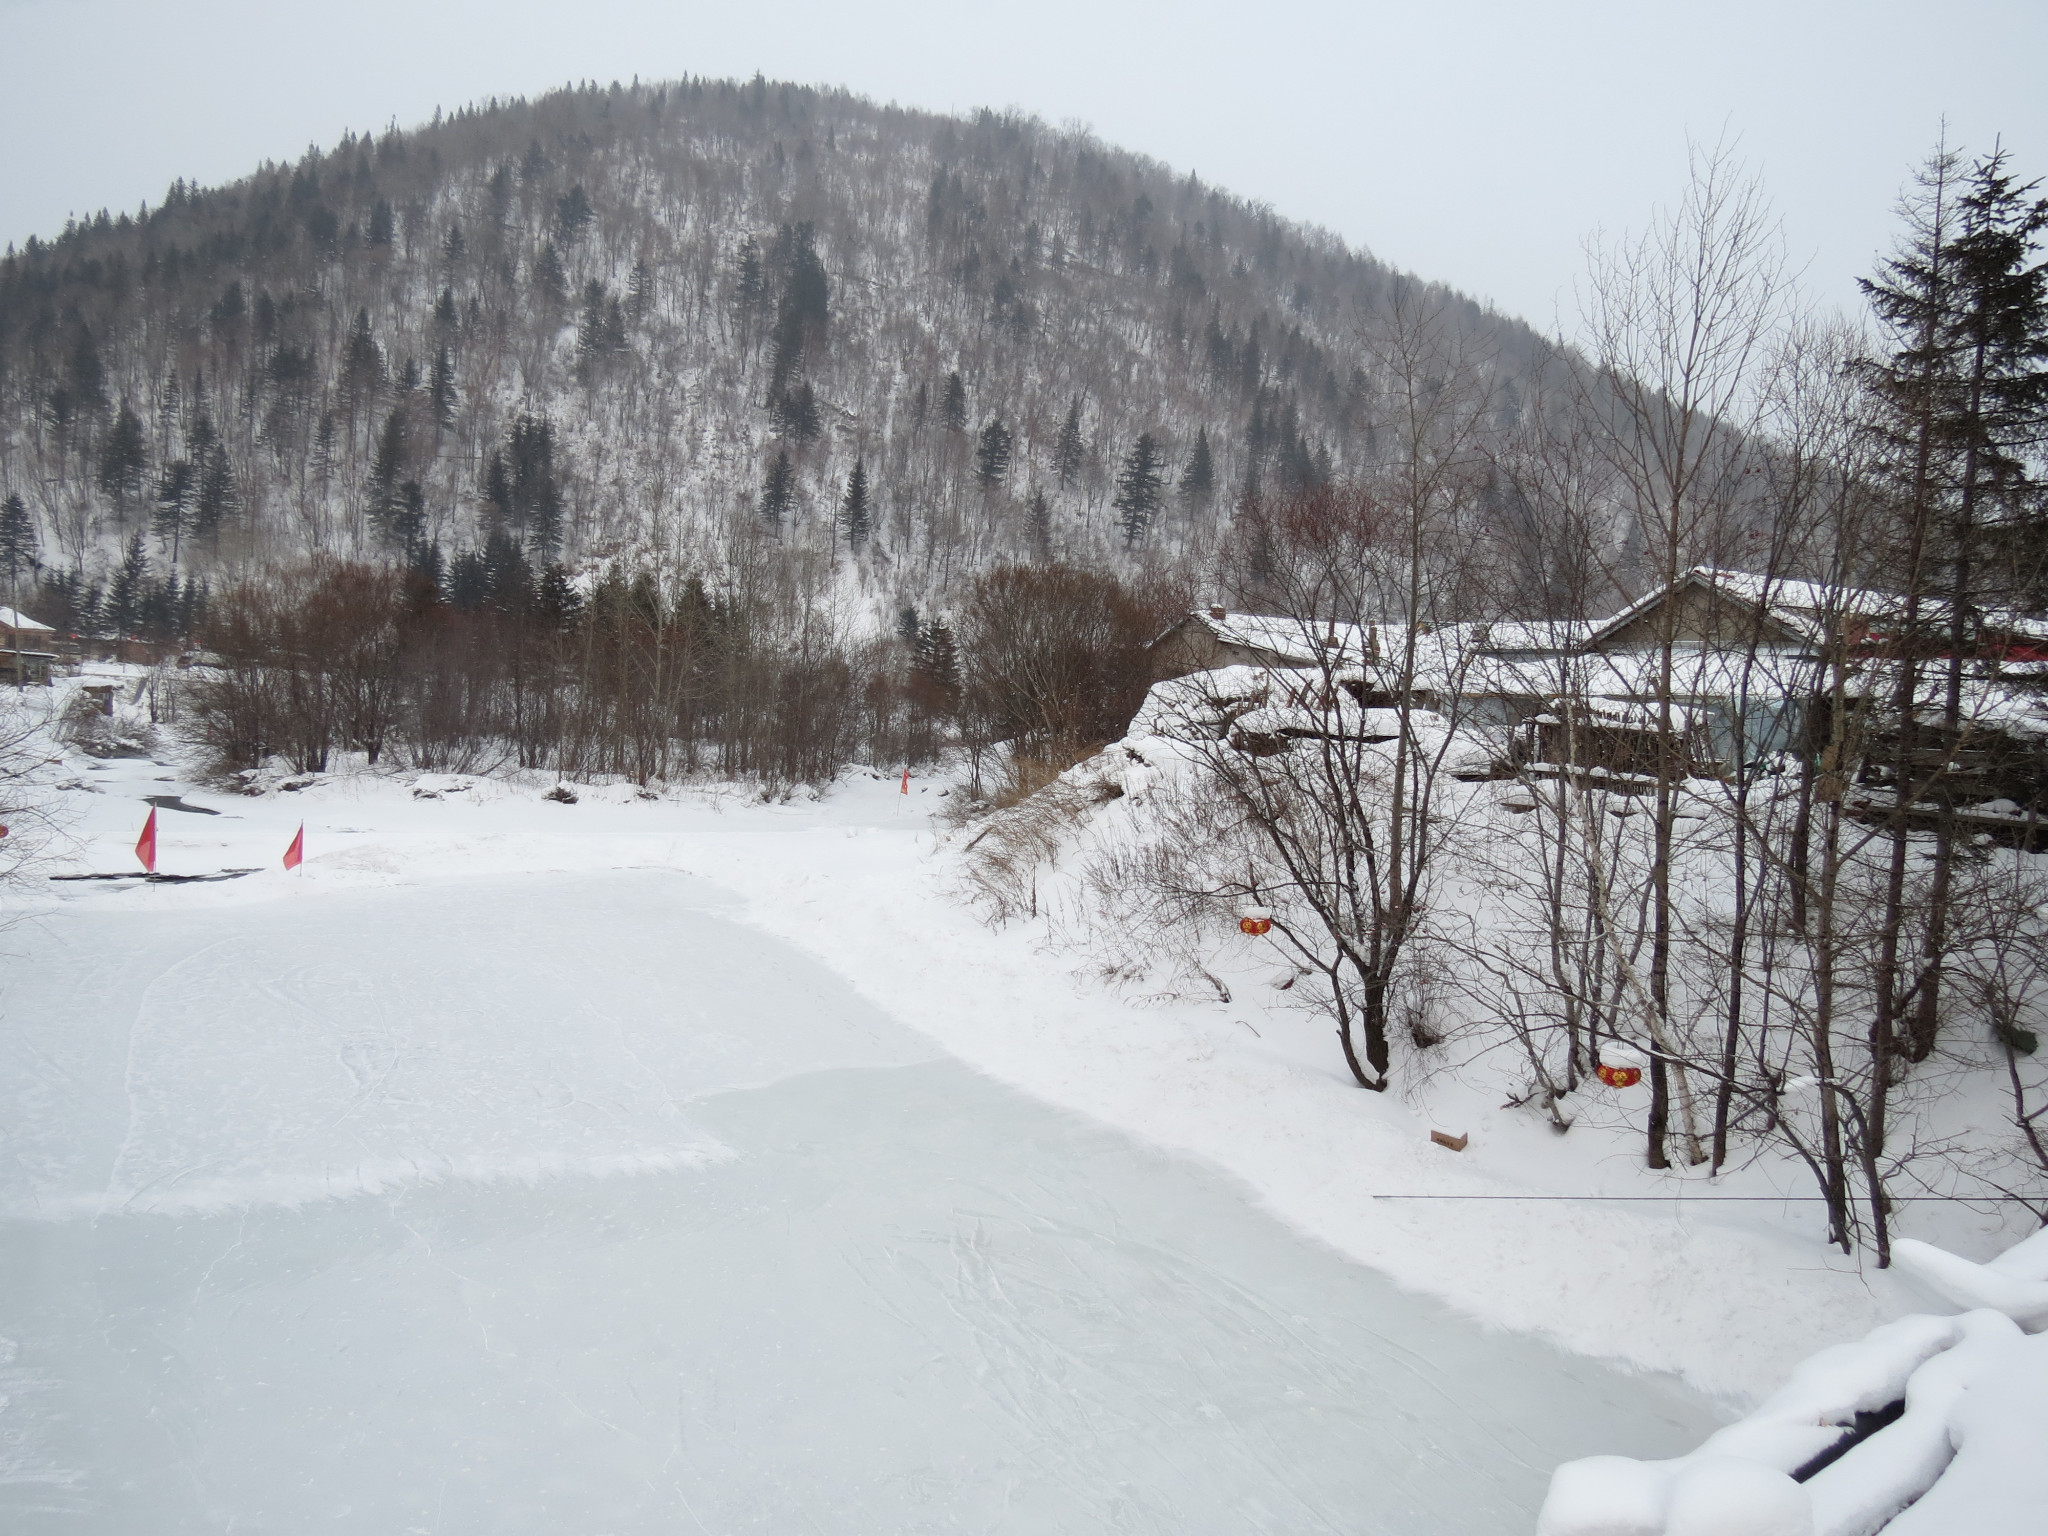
point(905, 789)
point(295, 855)
point(145, 845)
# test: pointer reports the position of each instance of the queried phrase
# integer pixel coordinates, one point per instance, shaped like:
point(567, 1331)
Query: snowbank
point(1945, 1418)
point(2015, 1283)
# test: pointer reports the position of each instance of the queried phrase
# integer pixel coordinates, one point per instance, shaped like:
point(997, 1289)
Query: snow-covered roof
point(1442, 652)
point(1793, 605)
point(21, 622)
point(1293, 642)
point(1540, 659)
point(1536, 636)
point(1804, 608)
point(1195, 706)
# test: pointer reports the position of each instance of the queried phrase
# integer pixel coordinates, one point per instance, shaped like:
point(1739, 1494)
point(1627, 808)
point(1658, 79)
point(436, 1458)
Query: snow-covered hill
point(634, 300)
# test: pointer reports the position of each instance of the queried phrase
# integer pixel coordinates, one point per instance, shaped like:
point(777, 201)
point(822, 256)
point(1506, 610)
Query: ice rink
point(564, 1204)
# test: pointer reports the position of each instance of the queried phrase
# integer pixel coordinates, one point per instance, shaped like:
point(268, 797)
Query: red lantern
point(1619, 1077)
point(1255, 925)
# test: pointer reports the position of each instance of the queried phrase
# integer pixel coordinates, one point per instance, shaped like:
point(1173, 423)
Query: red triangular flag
point(295, 855)
point(906, 784)
point(145, 845)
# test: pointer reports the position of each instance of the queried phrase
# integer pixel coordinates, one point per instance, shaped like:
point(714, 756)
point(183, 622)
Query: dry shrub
point(1026, 773)
point(1001, 863)
point(1055, 657)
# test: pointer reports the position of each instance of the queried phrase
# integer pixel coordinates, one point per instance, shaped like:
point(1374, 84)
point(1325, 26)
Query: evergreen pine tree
point(550, 282)
point(573, 213)
point(17, 542)
point(323, 449)
point(936, 665)
point(593, 333)
point(532, 495)
point(953, 404)
point(468, 583)
point(544, 522)
point(1069, 451)
point(216, 500)
point(992, 457)
point(778, 491)
point(751, 289)
point(907, 626)
point(121, 459)
point(1963, 412)
point(1040, 527)
point(441, 388)
point(409, 519)
point(429, 571)
point(387, 470)
point(1216, 347)
point(853, 509)
point(172, 513)
point(557, 600)
point(1963, 395)
point(507, 576)
point(497, 492)
point(123, 608)
point(802, 314)
point(156, 613)
point(796, 414)
point(1138, 486)
point(806, 292)
point(1257, 436)
point(1198, 480)
point(191, 607)
point(200, 436)
point(88, 377)
point(785, 359)
point(88, 607)
point(362, 364)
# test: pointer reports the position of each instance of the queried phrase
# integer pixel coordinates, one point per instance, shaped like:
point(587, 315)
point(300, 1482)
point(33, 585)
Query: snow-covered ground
point(849, 1286)
point(623, 1159)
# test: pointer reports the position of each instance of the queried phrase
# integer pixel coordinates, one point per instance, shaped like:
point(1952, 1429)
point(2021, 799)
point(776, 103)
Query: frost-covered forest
point(614, 324)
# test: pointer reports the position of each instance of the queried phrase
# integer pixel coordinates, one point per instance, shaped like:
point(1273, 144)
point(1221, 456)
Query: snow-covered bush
point(84, 725)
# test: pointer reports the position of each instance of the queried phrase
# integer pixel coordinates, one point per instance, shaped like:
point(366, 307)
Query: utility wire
point(1731, 1199)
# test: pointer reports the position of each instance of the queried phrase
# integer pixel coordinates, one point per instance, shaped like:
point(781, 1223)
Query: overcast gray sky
point(1471, 141)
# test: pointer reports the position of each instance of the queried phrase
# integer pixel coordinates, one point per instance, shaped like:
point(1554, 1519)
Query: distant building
point(1213, 638)
point(27, 650)
point(1597, 695)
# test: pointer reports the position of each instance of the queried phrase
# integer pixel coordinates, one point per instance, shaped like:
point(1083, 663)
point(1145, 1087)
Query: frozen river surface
point(567, 1206)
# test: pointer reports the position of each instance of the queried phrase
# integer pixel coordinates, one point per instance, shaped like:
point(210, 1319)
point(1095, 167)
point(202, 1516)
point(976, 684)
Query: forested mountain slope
point(632, 324)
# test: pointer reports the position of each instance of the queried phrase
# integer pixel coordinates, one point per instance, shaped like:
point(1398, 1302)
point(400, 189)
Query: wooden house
point(1213, 638)
point(27, 650)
